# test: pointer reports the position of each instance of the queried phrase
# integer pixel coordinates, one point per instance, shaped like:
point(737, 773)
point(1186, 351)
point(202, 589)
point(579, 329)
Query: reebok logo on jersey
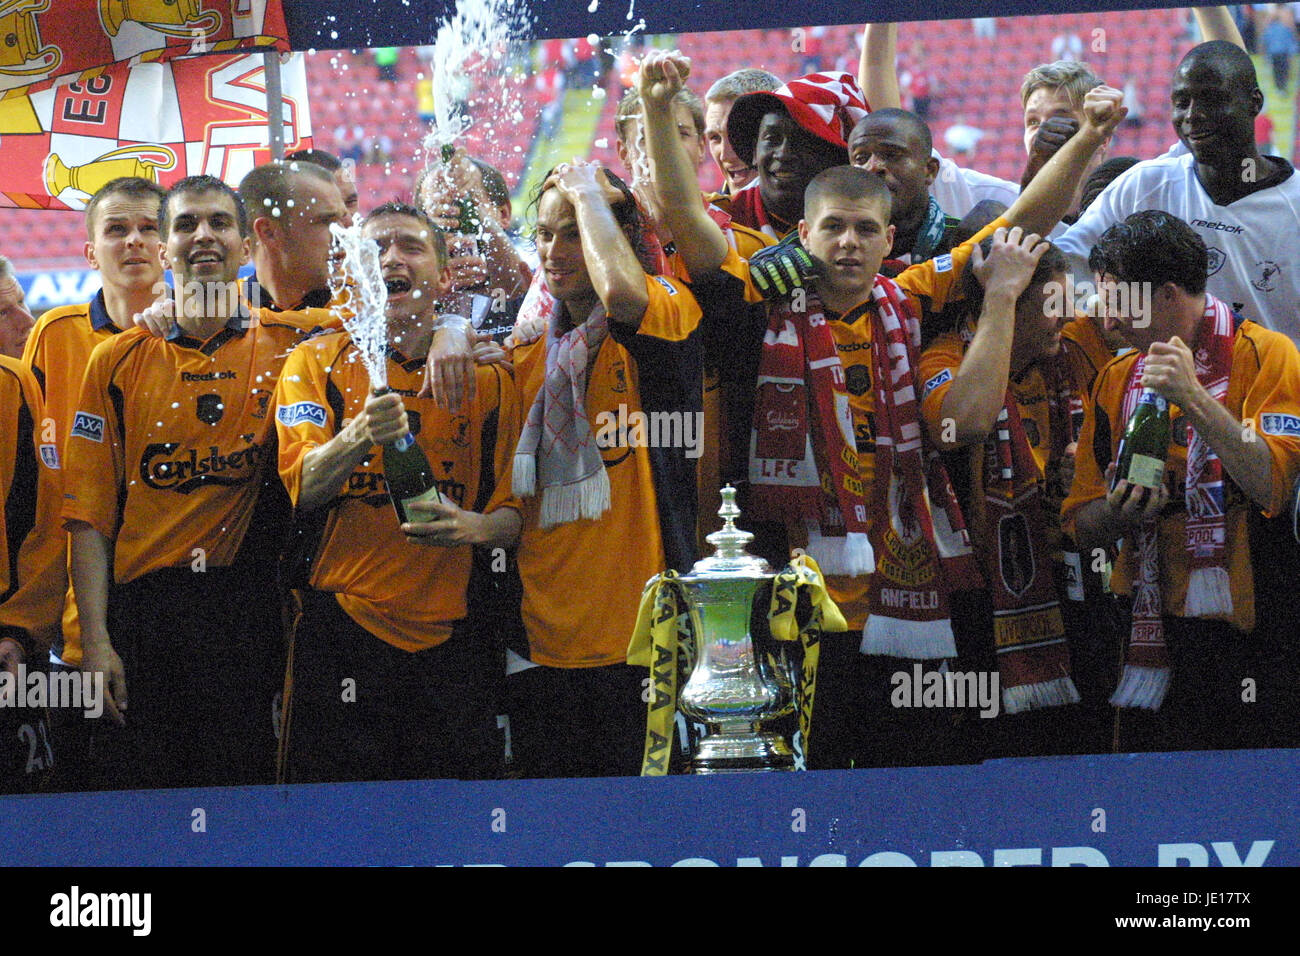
point(89, 426)
point(50, 455)
point(1276, 424)
point(930, 386)
point(299, 412)
point(1218, 227)
point(205, 376)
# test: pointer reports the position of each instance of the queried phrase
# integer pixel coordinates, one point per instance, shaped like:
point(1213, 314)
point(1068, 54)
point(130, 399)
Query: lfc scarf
point(803, 455)
point(1028, 631)
point(803, 428)
point(557, 448)
point(1145, 677)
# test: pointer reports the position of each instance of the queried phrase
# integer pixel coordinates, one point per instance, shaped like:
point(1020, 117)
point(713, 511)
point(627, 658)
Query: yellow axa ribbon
point(655, 645)
point(803, 574)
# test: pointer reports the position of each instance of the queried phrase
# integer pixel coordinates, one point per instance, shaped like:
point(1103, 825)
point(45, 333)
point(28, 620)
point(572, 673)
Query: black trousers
point(577, 722)
point(203, 654)
point(361, 709)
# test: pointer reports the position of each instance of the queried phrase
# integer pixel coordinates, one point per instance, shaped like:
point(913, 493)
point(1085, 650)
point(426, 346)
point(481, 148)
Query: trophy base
point(742, 752)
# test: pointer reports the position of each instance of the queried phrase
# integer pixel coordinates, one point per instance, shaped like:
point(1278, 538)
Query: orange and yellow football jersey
point(169, 442)
point(408, 595)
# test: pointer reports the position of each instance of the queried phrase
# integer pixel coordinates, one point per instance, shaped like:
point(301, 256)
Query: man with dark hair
point(123, 247)
point(1237, 200)
point(344, 175)
point(397, 622)
point(174, 524)
point(896, 145)
point(736, 174)
point(619, 342)
point(1207, 570)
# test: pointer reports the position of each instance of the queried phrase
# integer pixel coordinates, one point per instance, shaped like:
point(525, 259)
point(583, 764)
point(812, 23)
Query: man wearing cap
point(790, 135)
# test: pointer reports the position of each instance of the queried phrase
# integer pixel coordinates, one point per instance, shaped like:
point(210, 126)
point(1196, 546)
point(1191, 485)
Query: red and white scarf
point(803, 463)
point(1145, 677)
point(747, 209)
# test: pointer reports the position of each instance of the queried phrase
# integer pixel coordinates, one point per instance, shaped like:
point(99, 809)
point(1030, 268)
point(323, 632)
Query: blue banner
point(1213, 809)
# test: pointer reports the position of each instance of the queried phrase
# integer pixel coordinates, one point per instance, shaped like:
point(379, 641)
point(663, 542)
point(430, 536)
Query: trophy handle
point(53, 53)
point(187, 32)
point(166, 161)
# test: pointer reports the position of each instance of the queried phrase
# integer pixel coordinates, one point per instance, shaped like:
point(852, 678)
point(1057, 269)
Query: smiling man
point(788, 137)
point(1238, 201)
point(736, 173)
point(389, 607)
point(174, 528)
point(602, 513)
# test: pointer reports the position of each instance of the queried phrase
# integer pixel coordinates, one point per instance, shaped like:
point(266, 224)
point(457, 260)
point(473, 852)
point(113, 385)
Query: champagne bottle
point(468, 223)
point(1145, 445)
point(407, 472)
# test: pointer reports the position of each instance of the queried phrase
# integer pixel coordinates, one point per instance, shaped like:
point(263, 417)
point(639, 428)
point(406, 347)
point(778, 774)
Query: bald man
point(1239, 201)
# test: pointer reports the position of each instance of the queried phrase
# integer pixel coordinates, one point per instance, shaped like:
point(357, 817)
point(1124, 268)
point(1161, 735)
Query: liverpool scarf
point(1145, 677)
point(1028, 631)
point(918, 547)
point(803, 456)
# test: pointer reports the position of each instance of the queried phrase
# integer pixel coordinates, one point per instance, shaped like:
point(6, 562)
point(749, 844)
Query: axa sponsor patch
point(1276, 424)
point(672, 289)
point(943, 263)
point(936, 381)
point(86, 425)
point(299, 412)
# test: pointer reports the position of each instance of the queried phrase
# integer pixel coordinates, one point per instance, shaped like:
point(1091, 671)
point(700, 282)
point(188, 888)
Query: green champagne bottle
point(407, 473)
point(468, 223)
point(1145, 445)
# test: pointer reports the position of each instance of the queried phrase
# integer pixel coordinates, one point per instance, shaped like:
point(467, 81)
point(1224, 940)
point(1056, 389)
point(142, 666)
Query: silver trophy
point(734, 687)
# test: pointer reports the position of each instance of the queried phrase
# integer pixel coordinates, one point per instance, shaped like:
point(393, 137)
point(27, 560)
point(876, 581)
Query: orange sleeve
point(1272, 403)
point(36, 591)
point(672, 313)
point(935, 372)
point(94, 466)
point(303, 417)
point(933, 283)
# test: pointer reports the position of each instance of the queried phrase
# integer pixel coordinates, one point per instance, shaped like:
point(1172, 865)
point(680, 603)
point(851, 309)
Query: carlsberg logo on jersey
point(299, 412)
point(162, 468)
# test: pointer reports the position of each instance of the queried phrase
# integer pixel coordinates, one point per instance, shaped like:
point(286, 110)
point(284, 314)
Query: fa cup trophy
point(738, 683)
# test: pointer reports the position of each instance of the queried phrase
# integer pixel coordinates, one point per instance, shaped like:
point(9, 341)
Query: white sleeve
point(1112, 206)
point(958, 190)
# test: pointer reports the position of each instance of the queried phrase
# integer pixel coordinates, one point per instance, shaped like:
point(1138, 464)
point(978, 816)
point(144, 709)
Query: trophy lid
point(730, 558)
